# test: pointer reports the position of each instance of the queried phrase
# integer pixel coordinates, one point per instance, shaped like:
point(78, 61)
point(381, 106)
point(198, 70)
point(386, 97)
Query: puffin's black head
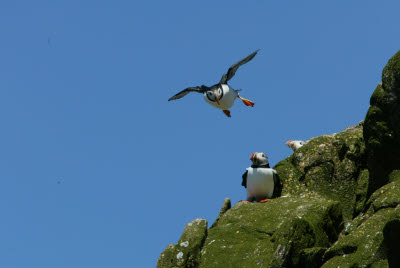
point(259, 159)
point(214, 93)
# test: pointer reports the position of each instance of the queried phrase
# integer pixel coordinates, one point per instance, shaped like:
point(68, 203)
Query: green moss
point(364, 245)
point(382, 126)
point(381, 264)
point(379, 97)
point(168, 257)
point(316, 152)
point(311, 257)
point(386, 196)
point(326, 166)
point(289, 175)
point(186, 253)
point(361, 191)
point(290, 239)
point(391, 73)
point(380, 147)
point(245, 234)
point(394, 175)
point(225, 207)
point(375, 128)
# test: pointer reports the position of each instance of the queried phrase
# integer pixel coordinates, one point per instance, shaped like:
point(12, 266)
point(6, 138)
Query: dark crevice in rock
point(391, 234)
point(269, 234)
point(302, 177)
point(394, 205)
point(333, 223)
point(349, 250)
point(311, 257)
point(343, 250)
point(342, 152)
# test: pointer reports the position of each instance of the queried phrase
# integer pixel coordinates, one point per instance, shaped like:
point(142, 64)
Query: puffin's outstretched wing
point(186, 91)
point(232, 70)
point(244, 177)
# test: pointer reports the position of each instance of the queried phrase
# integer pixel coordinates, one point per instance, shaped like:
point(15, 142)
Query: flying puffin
point(261, 181)
point(294, 145)
point(220, 95)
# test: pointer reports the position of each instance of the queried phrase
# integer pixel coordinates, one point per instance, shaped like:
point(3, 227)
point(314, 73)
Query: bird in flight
point(220, 95)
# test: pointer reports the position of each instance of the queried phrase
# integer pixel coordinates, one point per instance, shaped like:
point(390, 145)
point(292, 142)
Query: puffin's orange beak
point(252, 156)
point(288, 143)
point(216, 96)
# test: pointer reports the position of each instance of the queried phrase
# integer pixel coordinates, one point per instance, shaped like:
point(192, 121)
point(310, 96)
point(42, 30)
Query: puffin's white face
point(214, 95)
point(294, 145)
point(259, 158)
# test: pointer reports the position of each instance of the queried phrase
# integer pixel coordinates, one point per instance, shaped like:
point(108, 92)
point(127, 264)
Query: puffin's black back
point(244, 179)
point(277, 186)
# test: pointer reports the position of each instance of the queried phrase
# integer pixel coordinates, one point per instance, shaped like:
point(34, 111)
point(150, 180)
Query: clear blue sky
point(98, 169)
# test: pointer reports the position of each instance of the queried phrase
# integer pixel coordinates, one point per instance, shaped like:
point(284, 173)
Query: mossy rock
point(394, 175)
point(370, 239)
point(311, 257)
point(254, 234)
point(361, 191)
point(186, 253)
point(387, 196)
point(225, 207)
point(326, 166)
point(391, 74)
point(379, 98)
point(382, 126)
point(291, 239)
point(364, 246)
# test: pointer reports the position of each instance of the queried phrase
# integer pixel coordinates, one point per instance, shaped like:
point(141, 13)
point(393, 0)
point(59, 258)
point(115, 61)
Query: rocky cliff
point(339, 204)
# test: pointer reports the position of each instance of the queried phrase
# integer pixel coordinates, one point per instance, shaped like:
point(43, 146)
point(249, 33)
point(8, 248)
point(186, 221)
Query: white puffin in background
point(294, 145)
point(220, 95)
point(261, 181)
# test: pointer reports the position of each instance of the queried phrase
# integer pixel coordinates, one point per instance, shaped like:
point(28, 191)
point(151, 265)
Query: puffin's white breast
point(260, 183)
point(227, 100)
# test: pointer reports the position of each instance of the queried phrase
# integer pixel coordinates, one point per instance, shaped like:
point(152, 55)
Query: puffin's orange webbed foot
point(264, 200)
point(227, 113)
point(246, 102)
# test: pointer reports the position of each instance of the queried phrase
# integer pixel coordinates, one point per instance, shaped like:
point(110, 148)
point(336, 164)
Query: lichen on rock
point(249, 233)
point(327, 166)
point(186, 253)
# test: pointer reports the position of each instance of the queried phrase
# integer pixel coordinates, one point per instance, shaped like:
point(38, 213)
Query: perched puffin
point(261, 181)
point(294, 145)
point(220, 95)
